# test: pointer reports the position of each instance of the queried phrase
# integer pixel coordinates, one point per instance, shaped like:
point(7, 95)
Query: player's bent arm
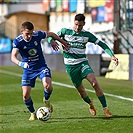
point(14, 54)
point(15, 59)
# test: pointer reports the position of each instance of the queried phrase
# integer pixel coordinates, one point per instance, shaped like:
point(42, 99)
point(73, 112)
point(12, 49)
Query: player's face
point(27, 34)
point(78, 26)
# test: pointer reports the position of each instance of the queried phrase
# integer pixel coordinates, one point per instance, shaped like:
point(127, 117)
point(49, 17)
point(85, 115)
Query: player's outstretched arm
point(108, 50)
point(55, 37)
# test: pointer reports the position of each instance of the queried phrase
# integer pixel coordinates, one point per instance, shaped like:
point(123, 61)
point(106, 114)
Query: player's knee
point(46, 85)
point(94, 83)
point(26, 97)
point(48, 88)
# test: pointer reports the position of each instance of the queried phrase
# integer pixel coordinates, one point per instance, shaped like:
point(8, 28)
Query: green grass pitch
point(71, 114)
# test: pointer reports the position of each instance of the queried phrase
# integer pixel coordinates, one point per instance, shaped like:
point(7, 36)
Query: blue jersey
point(31, 51)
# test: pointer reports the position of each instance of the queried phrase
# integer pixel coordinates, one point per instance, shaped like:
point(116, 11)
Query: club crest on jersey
point(32, 52)
point(35, 42)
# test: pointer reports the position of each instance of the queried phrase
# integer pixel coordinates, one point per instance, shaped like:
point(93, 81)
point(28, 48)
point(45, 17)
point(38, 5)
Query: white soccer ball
point(43, 114)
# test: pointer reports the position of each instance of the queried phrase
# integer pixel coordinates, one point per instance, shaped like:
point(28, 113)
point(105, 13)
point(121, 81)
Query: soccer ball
point(43, 113)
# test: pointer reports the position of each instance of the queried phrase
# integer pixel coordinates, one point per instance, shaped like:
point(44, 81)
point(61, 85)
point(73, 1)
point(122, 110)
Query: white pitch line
point(68, 86)
point(107, 94)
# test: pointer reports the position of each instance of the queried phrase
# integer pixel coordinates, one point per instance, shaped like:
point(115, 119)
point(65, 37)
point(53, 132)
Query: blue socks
point(47, 94)
point(29, 102)
point(29, 105)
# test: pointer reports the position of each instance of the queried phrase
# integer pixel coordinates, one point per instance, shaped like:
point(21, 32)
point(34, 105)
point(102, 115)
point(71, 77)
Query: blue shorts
point(29, 77)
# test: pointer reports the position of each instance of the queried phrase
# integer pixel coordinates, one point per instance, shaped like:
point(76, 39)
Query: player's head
point(79, 22)
point(27, 30)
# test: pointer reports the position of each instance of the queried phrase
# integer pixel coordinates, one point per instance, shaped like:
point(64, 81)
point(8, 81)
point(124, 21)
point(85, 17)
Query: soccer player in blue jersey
point(77, 65)
point(28, 44)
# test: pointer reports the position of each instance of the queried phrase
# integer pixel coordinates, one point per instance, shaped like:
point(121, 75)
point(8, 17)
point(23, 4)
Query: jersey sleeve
point(59, 33)
point(15, 44)
point(93, 38)
point(42, 34)
point(106, 48)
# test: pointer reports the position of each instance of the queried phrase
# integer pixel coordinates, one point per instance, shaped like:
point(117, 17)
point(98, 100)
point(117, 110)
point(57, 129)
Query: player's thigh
point(27, 80)
point(75, 75)
point(92, 79)
point(45, 73)
point(85, 69)
point(45, 77)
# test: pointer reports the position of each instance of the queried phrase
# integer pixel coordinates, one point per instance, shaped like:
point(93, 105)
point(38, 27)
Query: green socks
point(87, 100)
point(102, 101)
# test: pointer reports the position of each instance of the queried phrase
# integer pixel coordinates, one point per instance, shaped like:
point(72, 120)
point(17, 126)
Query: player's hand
point(115, 59)
point(66, 46)
point(54, 45)
point(23, 64)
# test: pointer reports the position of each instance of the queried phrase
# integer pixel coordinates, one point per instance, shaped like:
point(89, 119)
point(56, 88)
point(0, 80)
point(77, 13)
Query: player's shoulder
point(19, 38)
point(87, 32)
point(35, 33)
point(67, 30)
point(38, 33)
point(17, 41)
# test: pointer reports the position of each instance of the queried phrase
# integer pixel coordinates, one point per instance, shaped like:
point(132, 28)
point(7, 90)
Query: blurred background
point(110, 20)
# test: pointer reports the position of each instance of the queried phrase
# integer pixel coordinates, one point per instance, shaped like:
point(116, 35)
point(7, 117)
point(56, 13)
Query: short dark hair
point(27, 25)
point(80, 17)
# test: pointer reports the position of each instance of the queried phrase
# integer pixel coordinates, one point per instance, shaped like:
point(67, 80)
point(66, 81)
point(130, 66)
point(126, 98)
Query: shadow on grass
point(116, 116)
point(88, 118)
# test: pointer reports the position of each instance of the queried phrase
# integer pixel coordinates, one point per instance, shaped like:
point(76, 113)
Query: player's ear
point(21, 31)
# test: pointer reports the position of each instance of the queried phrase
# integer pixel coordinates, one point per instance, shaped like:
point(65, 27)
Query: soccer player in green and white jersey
point(77, 65)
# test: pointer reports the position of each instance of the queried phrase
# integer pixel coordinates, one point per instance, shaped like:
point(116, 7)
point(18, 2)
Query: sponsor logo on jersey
point(32, 52)
point(79, 39)
point(77, 45)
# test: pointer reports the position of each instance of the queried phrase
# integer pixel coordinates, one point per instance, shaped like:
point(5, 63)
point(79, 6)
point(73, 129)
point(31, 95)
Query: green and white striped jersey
point(77, 41)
